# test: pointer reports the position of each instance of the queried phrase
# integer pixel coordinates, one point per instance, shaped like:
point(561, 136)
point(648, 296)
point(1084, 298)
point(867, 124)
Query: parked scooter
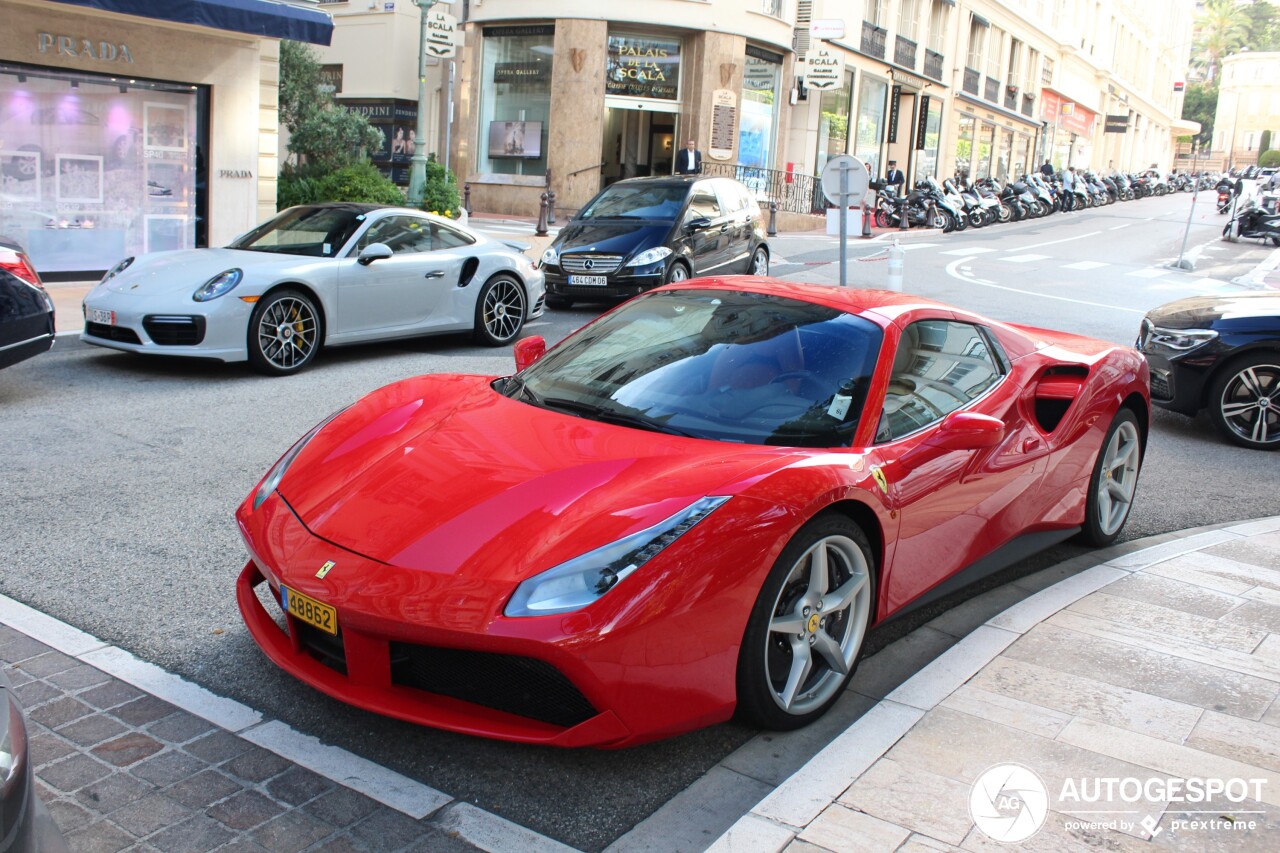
point(1253, 222)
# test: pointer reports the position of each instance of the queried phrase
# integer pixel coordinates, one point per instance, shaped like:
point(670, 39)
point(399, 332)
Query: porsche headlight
point(550, 257)
point(220, 284)
point(649, 256)
point(1180, 339)
point(276, 474)
point(116, 270)
point(582, 580)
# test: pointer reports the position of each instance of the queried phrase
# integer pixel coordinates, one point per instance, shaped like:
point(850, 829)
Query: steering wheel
point(808, 383)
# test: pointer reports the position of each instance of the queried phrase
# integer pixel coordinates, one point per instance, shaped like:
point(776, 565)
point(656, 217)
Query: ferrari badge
point(880, 478)
point(324, 570)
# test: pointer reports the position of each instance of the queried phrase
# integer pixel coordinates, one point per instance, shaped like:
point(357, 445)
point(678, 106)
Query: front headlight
point(1180, 339)
point(116, 270)
point(550, 257)
point(649, 256)
point(276, 474)
point(220, 284)
point(582, 580)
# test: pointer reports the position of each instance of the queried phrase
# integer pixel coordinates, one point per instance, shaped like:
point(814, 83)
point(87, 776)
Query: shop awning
point(255, 17)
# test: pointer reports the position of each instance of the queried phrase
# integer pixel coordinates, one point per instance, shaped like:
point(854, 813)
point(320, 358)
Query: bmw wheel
point(1114, 481)
point(807, 626)
point(284, 333)
point(1244, 401)
point(499, 311)
point(759, 262)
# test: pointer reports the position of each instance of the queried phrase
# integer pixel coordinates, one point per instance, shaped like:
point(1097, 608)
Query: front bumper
point(622, 284)
point(164, 326)
point(1179, 381)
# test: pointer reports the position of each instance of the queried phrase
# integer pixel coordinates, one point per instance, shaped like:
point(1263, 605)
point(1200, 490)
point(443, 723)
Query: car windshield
point(315, 231)
point(714, 364)
point(648, 201)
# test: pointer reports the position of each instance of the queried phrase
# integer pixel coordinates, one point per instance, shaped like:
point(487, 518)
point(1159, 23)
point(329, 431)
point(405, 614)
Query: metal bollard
point(904, 216)
point(551, 206)
point(773, 218)
point(866, 219)
point(466, 197)
point(541, 230)
point(895, 266)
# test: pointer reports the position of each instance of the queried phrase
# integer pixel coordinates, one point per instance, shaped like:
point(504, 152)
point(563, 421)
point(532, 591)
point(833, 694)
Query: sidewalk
point(1154, 665)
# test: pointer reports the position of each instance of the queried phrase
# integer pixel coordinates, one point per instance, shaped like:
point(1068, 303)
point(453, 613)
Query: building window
point(643, 66)
point(872, 95)
point(993, 53)
point(515, 99)
point(757, 125)
point(876, 13)
point(937, 26)
point(985, 144)
point(908, 18)
point(94, 170)
point(964, 146)
point(977, 42)
point(833, 121)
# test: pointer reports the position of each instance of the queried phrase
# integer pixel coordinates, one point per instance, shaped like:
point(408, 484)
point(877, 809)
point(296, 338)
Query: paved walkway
point(1126, 690)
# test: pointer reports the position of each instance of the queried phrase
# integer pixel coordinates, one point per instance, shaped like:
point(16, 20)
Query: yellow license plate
point(309, 610)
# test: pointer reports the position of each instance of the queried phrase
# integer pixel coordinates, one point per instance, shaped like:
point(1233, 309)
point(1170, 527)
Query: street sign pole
point(844, 223)
point(844, 177)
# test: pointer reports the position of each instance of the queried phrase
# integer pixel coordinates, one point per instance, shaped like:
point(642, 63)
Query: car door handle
point(1030, 444)
point(724, 228)
point(435, 274)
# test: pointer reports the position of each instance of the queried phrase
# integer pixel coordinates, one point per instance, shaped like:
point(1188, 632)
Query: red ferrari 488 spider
point(695, 505)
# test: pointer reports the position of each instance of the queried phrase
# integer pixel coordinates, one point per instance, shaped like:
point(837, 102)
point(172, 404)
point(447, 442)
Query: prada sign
point(77, 47)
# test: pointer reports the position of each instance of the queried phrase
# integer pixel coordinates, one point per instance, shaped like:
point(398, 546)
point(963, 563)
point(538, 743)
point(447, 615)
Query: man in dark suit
point(689, 161)
point(894, 178)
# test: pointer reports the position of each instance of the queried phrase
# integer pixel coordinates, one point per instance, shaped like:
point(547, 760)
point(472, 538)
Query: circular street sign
point(858, 179)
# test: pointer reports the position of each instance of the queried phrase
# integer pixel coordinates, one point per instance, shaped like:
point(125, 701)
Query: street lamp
point(418, 169)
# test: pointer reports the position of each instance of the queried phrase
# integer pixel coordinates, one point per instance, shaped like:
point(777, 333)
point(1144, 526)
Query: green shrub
point(361, 182)
point(440, 195)
point(1269, 158)
point(293, 189)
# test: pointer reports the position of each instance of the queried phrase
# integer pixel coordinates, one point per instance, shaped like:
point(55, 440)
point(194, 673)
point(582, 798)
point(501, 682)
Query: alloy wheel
point(1249, 404)
point(1119, 477)
point(503, 311)
point(288, 332)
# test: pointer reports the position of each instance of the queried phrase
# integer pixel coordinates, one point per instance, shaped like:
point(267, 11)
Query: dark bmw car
point(644, 232)
point(26, 311)
point(1220, 353)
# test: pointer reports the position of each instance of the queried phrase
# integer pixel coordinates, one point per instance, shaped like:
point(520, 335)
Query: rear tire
point(500, 311)
point(1114, 481)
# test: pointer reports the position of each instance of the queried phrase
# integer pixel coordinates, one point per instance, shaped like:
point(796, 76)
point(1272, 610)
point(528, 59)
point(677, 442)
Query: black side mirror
point(697, 224)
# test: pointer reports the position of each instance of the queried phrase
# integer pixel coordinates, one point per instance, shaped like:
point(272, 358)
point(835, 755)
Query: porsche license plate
point(589, 280)
point(97, 315)
point(309, 610)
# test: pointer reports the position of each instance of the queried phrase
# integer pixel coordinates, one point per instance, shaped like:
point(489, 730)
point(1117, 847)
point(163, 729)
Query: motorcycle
point(1226, 193)
point(1252, 222)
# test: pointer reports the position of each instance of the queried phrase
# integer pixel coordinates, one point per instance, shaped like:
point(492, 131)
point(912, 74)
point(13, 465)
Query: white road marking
point(974, 251)
point(1150, 272)
point(1122, 225)
point(953, 271)
point(1054, 242)
point(386, 786)
point(1085, 265)
point(907, 247)
point(1023, 259)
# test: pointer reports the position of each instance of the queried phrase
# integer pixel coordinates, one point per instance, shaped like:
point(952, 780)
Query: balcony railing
point(1011, 97)
point(971, 78)
point(1028, 105)
point(933, 65)
point(873, 39)
point(792, 191)
point(904, 52)
point(992, 93)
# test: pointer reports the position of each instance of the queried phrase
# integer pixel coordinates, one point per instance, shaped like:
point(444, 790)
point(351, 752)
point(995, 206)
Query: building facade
point(1248, 107)
point(123, 133)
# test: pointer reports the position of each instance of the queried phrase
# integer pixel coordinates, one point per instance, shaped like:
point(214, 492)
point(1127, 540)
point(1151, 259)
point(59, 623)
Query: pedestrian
point(1047, 169)
point(893, 178)
point(689, 161)
point(1069, 187)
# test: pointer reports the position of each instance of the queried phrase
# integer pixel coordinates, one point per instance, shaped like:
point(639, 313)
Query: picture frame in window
point(78, 178)
point(20, 175)
point(164, 127)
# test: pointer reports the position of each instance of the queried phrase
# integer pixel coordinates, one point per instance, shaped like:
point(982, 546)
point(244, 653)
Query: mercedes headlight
point(582, 580)
point(220, 284)
point(649, 256)
point(116, 270)
point(277, 472)
point(550, 257)
point(1180, 339)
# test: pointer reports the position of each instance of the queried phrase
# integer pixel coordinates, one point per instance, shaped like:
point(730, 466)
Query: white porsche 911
point(316, 276)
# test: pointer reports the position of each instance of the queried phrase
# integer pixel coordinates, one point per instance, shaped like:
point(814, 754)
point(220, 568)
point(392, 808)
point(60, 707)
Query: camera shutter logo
point(1009, 803)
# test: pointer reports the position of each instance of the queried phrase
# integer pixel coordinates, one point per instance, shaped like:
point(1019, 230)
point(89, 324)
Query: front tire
point(284, 333)
point(807, 626)
point(500, 310)
point(1114, 481)
point(759, 262)
point(677, 272)
point(1244, 401)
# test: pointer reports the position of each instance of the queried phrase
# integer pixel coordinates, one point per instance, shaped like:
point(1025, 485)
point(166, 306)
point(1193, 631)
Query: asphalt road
point(121, 475)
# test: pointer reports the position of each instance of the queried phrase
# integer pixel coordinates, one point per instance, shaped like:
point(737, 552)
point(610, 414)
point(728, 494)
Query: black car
point(1220, 353)
point(644, 232)
point(26, 311)
point(25, 823)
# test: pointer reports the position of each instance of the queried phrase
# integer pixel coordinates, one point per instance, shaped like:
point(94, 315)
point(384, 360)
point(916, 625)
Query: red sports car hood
point(443, 473)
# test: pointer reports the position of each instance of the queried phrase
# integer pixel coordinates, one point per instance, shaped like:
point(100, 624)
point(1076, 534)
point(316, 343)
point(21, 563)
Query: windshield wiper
point(515, 387)
point(613, 416)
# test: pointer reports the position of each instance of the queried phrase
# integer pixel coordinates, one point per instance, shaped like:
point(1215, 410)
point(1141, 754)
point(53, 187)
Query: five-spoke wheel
point(1114, 481)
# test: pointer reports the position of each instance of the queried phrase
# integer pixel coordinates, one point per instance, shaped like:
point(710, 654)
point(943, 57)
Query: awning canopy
point(255, 17)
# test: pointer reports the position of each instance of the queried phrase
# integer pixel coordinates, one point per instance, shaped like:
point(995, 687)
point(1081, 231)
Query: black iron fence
point(971, 78)
point(873, 39)
point(933, 65)
point(904, 52)
point(792, 191)
point(992, 93)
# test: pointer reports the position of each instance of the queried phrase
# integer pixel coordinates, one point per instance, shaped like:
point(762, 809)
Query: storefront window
point(927, 164)
point(1003, 153)
point(756, 128)
point(93, 170)
point(964, 146)
point(983, 151)
point(1021, 155)
point(515, 105)
point(642, 66)
point(871, 103)
point(833, 122)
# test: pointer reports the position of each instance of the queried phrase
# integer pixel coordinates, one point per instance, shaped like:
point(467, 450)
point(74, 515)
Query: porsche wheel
point(1244, 401)
point(1114, 481)
point(284, 333)
point(807, 626)
point(499, 311)
point(759, 262)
